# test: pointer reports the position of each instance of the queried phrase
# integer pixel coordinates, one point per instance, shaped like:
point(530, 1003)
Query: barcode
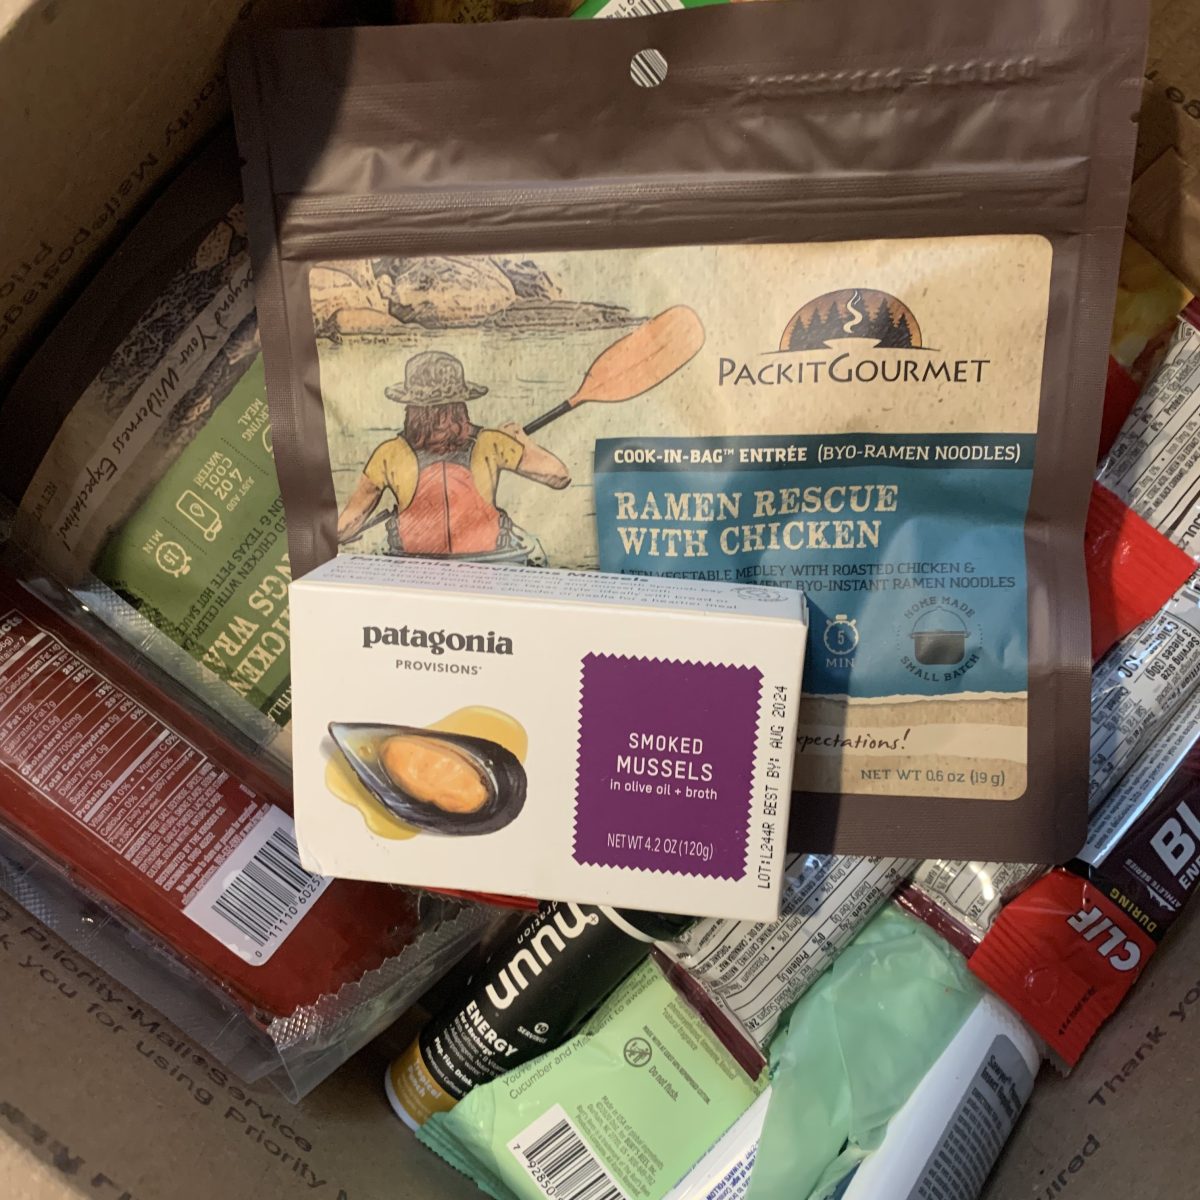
point(263, 895)
point(647, 8)
point(638, 8)
point(260, 893)
point(561, 1163)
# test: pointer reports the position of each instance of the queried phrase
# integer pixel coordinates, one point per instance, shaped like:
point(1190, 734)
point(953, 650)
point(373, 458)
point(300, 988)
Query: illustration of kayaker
point(443, 471)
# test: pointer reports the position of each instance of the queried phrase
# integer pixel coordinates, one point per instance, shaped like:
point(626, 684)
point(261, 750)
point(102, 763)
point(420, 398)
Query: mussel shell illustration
point(500, 771)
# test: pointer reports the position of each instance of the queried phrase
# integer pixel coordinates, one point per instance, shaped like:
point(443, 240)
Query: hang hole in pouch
point(648, 68)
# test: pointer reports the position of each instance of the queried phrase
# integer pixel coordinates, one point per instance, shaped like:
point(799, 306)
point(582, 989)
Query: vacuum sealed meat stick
point(117, 784)
point(810, 394)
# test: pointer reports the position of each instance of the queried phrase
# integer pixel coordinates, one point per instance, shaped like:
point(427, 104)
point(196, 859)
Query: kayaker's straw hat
point(434, 377)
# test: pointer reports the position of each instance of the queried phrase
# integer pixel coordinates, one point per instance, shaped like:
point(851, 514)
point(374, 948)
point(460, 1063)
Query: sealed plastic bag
point(786, 294)
point(853, 1050)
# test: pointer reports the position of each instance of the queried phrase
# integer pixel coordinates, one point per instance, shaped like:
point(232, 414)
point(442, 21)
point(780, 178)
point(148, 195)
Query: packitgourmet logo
point(855, 335)
point(436, 641)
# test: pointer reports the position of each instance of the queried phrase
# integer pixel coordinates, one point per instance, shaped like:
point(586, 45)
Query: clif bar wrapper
point(1066, 952)
point(143, 805)
point(1137, 688)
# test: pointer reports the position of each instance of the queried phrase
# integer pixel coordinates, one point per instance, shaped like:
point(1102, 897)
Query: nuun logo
point(568, 923)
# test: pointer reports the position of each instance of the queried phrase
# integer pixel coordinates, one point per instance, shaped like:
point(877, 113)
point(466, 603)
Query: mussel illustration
point(443, 782)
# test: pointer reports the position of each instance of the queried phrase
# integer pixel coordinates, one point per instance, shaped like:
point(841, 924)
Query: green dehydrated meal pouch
point(140, 452)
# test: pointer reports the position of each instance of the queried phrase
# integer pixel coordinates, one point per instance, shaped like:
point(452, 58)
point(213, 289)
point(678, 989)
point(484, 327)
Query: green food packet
point(635, 8)
point(624, 1109)
point(853, 1050)
point(204, 557)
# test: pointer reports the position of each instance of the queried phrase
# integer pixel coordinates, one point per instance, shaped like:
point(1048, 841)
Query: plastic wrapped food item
point(1149, 301)
point(854, 1049)
point(942, 1142)
point(754, 971)
point(1154, 465)
point(1066, 952)
point(139, 453)
point(961, 899)
point(531, 995)
point(921, 473)
point(1139, 685)
point(189, 843)
point(622, 1110)
point(1132, 569)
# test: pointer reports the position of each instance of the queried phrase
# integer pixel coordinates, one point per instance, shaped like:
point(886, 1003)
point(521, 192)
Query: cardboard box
point(100, 1100)
point(98, 102)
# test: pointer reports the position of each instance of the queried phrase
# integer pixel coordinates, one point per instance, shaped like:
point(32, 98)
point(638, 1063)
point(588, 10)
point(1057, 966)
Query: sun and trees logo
point(853, 313)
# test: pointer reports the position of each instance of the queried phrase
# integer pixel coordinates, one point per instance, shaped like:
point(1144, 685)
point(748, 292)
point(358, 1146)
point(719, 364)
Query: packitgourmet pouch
point(788, 294)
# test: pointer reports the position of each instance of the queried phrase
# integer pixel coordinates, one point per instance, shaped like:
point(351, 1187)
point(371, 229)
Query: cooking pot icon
point(939, 638)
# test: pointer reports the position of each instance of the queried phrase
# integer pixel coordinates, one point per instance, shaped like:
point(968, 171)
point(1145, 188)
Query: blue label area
point(909, 548)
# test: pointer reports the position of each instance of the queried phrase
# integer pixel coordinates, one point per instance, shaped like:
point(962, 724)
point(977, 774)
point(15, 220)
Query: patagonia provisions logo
point(854, 335)
point(436, 641)
point(568, 922)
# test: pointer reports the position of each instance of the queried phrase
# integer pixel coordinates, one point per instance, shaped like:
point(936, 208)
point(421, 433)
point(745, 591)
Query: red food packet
point(1063, 955)
point(1132, 569)
point(116, 784)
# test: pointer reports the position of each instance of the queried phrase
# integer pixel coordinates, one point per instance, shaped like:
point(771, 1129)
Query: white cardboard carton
point(606, 739)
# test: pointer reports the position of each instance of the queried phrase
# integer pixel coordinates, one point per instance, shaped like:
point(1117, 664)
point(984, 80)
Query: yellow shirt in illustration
point(393, 465)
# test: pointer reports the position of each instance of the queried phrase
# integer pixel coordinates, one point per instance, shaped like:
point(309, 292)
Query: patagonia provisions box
point(563, 734)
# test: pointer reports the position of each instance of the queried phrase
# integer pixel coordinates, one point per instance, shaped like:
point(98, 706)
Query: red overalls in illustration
point(443, 470)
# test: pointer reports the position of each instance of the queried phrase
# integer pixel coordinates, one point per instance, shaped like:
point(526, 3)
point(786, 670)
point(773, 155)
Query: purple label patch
point(666, 765)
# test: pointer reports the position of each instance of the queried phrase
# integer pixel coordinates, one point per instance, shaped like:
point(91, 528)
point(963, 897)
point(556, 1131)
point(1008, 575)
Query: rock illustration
point(385, 295)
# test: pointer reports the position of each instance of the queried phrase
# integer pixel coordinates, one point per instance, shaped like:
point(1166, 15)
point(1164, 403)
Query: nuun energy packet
point(576, 736)
point(942, 1142)
point(144, 806)
point(1066, 952)
point(829, 342)
point(138, 449)
point(622, 1111)
point(755, 971)
point(533, 993)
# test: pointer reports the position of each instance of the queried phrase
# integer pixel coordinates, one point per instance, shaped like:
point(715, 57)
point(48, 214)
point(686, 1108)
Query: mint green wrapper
point(639, 1096)
point(853, 1050)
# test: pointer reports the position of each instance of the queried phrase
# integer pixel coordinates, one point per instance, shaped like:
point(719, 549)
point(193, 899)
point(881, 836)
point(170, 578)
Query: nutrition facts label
point(973, 892)
point(1155, 465)
point(1138, 685)
point(157, 802)
point(757, 969)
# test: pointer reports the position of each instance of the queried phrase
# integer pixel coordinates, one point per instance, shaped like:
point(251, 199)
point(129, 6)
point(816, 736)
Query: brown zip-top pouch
point(794, 294)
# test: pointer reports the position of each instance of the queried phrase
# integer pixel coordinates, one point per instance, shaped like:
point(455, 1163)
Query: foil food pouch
point(139, 454)
point(687, 295)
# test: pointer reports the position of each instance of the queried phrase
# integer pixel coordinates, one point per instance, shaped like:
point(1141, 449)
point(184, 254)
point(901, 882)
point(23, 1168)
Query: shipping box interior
point(99, 102)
